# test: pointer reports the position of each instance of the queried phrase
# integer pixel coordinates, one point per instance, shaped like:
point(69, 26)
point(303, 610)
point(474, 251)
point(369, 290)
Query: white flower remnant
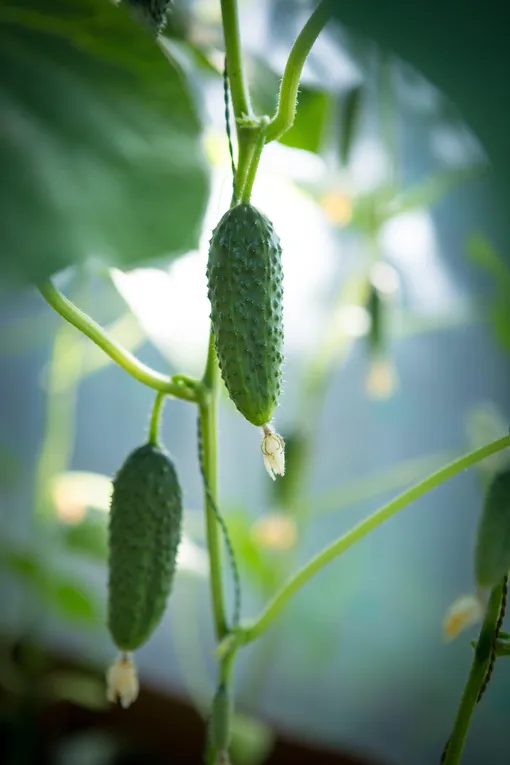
point(273, 449)
point(122, 681)
point(463, 613)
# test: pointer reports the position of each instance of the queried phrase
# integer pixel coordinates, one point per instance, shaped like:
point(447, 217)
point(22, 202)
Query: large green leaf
point(100, 148)
point(463, 49)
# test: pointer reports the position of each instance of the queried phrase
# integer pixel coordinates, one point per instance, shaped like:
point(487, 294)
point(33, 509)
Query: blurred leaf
point(78, 688)
point(125, 330)
point(484, 423)
point(72, 600)
point(100, 145)
point(313, 111)
point(258, 566)
point(500, 318)
point(10, 467)
point(484, 254)
point(430, 191)
point(349, 121)
point(475, 78)
point(492, 553)
point(24, 565)
point(252, 741)
point(88, 538)
point(361, 489)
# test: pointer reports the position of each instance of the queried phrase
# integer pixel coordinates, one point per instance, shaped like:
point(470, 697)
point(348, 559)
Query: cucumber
point(144, 535)
point(245, 288)
point(221, 715)
point(492, 553)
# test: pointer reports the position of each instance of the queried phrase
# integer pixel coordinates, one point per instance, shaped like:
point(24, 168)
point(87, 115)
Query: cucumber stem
point(157, 411)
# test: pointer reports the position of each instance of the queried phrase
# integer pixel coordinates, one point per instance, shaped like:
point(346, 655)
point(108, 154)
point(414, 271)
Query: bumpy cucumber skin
point(144, 535)
point(246, 293)
point(492, 554)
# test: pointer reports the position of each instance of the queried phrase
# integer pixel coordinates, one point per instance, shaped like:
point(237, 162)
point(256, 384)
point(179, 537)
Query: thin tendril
point(223, 526)
point(229, 132)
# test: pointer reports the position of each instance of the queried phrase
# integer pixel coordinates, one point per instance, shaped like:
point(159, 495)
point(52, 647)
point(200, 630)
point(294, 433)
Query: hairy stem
point(189, 391)
point(476, 679)
point(287, 101)
point(236, 75)
point(255, 159)
point(249, 632)
point(157, 411)
point(208, 431)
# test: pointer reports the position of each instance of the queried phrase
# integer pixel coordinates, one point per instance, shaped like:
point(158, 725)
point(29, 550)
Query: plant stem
point(157, 410)
point(287, 100)
point(476, 677)
point(236, 75)
point(255, 159)
point(120, 355)
point(208, 430)
point(251, 631)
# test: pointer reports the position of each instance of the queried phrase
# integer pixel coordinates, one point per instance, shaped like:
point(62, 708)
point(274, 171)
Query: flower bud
point(273, 449)
point(122, 681)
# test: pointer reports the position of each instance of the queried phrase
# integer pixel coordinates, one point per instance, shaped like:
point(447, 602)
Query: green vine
point(253, 132)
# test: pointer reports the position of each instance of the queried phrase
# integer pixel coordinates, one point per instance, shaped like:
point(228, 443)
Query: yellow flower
point(273, 449)
point(122, 681)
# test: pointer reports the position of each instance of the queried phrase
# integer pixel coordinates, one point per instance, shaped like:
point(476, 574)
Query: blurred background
point(397, 320)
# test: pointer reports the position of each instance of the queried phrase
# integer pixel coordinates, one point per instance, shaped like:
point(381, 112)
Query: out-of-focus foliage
point(111, 164)
point(450, 49)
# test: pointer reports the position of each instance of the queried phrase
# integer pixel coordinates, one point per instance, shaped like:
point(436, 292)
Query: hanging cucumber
point(144, 535)
point(246, 291)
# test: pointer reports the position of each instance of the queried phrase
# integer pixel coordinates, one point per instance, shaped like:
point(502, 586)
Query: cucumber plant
point(246, 345)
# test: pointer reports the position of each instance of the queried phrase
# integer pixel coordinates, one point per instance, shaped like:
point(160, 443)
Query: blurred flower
point(463, 613)
point(73, 492)
point(337, 207)
point(273, 449)
point(381, 380)
point(275, 531)
point(122, 681)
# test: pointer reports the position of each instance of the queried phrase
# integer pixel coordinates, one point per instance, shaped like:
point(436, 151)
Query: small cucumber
point(492, 554)
point(144, 535)
point(221, 716)
point(245, 280)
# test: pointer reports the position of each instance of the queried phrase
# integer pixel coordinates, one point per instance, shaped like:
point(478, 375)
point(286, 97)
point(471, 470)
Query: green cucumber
point(245, 287)
point(221, 717)
point(144, 535)
point(492, 554)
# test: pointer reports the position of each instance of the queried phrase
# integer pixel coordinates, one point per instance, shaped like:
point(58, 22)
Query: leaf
point(72, 600)
point(88, 538)
point(24, 565)
point(313, 110)
point(99, 141)
point(475, 78)
point(349, 121)
point(492, 552)
point(249, 555)
point(10, 467)
point(252, 741)
point(500, 318)
point(430, 191)
point(78, 688)
point(483, 253)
